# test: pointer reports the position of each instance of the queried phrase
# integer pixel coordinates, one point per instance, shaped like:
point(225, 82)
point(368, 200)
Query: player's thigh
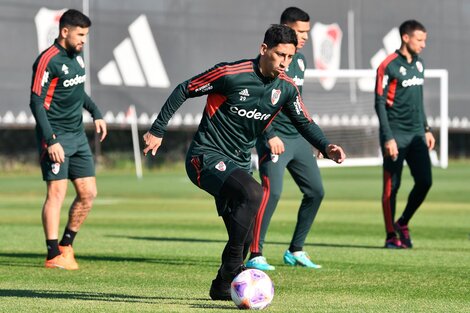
point(304, 168)
point(209, 171)
point(85, 187)
point(418, 159)
point(272, 168)
point(57, 189)
point(81, 163)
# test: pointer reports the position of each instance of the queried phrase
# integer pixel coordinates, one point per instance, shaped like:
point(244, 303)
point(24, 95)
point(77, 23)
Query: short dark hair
point(409, 26)
point(74, 18)
point(278, 34)
point(294, 14)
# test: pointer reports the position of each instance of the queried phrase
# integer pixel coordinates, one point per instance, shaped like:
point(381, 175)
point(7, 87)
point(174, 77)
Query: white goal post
point(336, 118)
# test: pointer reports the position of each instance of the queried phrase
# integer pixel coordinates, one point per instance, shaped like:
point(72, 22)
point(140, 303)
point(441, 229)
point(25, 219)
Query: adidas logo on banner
point(244, 92)
point(137, 60)
point(391, 41)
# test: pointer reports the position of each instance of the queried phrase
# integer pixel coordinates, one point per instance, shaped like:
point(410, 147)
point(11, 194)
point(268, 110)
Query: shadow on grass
point(109, 297)
point(41, 257)
point(175, 239)
point(171, 239)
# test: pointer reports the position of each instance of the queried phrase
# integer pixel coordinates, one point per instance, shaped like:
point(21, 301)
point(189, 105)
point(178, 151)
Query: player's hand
point(320, 155)
point(391, 149)
point(276, 145)
point(430, 141)
point(335, 153)
point(56, 153)
point(100, 126)
point(151, 143)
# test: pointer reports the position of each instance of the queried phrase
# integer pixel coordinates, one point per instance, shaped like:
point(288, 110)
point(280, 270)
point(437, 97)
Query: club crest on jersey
point(301, 64)
point(402, 70)
point(65, 69)
point(80, 61)
point(221, 166)
point(274, 158)
point(275, 95)
point(55, 168)
point(419, 66)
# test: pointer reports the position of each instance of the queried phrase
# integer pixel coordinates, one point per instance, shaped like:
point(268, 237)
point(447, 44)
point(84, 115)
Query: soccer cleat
point(67, 253)
point(220, 289)
point(221, 285)
point(404, 234)
point(60, 262)
point(299, 258)
point(393, 243)
point(260, 263)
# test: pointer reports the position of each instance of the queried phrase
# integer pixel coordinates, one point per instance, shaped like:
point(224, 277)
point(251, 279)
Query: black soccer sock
point(391, 235)
point(255, 254)
point(52, 248)
point(401, 221)
point(68, 237)
point(294, 248)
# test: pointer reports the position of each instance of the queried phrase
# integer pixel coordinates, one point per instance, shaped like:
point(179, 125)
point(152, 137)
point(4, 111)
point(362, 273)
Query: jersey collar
point(264, 79)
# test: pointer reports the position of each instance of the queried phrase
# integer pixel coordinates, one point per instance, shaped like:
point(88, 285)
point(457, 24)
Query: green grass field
point(154, 246)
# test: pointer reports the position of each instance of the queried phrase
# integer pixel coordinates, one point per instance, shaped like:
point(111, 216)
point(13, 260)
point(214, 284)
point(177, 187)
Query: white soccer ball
point(252, 289)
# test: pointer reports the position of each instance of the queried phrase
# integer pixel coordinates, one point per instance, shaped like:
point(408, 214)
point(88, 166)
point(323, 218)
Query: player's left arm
point(100, 124)
point(430, 140)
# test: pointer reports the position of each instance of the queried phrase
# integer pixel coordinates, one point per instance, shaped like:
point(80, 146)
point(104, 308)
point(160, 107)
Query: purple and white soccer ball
point(252, 289)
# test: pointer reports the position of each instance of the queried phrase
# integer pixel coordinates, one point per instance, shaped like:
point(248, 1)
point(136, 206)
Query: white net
point(347, 116)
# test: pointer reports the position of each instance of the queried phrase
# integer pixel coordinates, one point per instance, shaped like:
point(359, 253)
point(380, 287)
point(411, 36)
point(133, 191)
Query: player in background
point(281, 147)
point(57, 100)
point(404, 131)
point(243, 98)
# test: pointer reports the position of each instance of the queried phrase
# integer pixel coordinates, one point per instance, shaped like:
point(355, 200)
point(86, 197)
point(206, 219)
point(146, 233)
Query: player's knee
point(315, 194)
point(274, 196)
point(424, 183)
point(88, 196)
point(254, 196)
point(254, 192)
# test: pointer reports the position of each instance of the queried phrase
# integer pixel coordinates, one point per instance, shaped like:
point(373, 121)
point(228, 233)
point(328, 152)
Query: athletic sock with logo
point(52, 248)
point(68, 237)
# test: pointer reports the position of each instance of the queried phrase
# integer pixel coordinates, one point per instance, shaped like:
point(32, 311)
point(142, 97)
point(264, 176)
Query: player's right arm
point(381, 91)
point(211, 81)
point(42, 87)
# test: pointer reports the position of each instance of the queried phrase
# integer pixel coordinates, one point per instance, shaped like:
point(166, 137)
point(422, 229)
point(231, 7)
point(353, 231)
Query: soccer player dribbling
point(243, 98)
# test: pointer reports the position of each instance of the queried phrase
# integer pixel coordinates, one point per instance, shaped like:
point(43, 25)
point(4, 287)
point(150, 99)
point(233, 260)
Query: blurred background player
point(404, 131)
point(281, 147)
point(243, 97)
point(57, 101)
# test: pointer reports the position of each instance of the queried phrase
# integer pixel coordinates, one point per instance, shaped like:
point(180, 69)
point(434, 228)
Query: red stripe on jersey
point(386, 202)
point(217, 74)
point(254, 248)
point(42, 66)
point(219, 69)
point(214, 101)
point(197, 166)
point(391, 92)
point(302, 105)
point(381, 72)
point(50, 93)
